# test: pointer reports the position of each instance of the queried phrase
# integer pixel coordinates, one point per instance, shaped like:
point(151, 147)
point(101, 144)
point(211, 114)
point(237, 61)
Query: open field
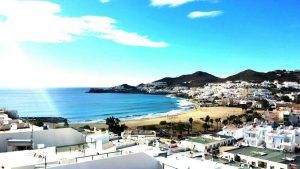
point(196, 114)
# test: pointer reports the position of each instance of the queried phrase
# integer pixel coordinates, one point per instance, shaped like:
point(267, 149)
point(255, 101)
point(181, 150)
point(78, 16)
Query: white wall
point(253, 159)
point(132, 161)
point(50, 138)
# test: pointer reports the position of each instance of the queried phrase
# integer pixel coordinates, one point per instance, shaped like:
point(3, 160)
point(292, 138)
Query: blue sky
point(139, 41)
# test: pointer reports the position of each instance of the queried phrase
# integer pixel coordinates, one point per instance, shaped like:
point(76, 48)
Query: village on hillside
point(265, 134)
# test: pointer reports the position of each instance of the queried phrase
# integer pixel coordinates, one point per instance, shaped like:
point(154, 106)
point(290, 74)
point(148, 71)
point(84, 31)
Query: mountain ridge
point(200, 78)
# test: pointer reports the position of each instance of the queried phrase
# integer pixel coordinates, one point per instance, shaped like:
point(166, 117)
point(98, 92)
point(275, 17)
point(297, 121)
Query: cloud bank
point(41, 21)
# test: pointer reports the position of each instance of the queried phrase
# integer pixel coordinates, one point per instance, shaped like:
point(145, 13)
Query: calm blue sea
point(78, 106)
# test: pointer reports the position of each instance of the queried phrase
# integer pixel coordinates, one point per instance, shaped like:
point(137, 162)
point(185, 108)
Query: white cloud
point(41, 21)
point(200, 14)
point(171, 3)
point(104, 1)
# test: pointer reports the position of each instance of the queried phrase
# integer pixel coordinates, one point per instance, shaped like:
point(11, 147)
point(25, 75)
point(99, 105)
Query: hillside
point(199, 79)
point(202, 78)
point(191, 80)
point(253, 76)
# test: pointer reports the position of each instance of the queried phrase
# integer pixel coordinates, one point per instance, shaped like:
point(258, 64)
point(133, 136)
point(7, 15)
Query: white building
point(22, 139)
point(132, 161)
point(28, 159)
point(283, 139)
point(7, 123)
point(255, 135)
point(140, 136)
point(264, 136)
point(252, 157)
point(233, 131)
point(207, 143)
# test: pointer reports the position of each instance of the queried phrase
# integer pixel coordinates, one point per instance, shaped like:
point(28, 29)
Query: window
point(262, 164)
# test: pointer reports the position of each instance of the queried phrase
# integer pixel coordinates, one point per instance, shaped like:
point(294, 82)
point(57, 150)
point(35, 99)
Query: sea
point(79, 107)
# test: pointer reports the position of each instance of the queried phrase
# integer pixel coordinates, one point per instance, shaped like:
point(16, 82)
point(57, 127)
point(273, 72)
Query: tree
point(244, 106)
point(86, 127)
point(38, 123)
point(163, 123)
point(66, 124)
point(298, 99)
point(205, 126)
point(207, 118)
point(181, 127)
point(191, 122)
point(114, 125)
point(225, 122)
point(211, 122)
point(285, 98)
point(218, 120)
point(265, 104)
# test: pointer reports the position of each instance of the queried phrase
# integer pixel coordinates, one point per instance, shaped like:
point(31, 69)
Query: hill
point(253, 76)
point(201, 78)
point(191, 80)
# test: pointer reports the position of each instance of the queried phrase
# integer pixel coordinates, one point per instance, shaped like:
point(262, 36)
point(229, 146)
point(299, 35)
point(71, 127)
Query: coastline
point(196, 114)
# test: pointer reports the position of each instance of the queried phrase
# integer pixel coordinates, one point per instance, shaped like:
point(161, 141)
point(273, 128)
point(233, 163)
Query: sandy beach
point(196, 114)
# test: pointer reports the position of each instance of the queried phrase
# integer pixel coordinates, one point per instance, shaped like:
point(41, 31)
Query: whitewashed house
point(255, 135)
point(233, 131)
point(283, 139)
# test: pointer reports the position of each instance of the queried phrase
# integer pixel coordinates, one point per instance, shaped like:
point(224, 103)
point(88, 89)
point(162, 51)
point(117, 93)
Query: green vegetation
point(114, 125)
point(285, 98)
point(38, 123)
point(298, 99)
point(87, 127)
point(191, 122)
point(163, 123)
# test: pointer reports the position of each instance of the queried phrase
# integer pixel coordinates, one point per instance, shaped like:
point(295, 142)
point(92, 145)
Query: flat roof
point(201, 140)
point(266, 154)
point(209, 138)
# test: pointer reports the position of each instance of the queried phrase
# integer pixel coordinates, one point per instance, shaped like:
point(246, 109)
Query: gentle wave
point(185, 103)
point(78, 106)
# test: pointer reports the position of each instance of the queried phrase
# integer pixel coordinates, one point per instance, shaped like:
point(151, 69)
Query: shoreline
point(196, 114)
point(183, 105)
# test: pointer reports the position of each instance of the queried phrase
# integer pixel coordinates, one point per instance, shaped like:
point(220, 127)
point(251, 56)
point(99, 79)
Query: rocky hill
point(199, 79)
point(253, 76)
point(202, 78)
point(191, 80)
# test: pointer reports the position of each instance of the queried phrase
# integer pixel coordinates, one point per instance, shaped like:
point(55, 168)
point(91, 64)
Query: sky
point(93, 43)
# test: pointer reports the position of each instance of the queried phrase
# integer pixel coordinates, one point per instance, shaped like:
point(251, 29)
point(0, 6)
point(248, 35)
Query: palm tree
point(181, 127)
point(207, 118)
point(211, 122)
point(191, 122)
point(225, 122)
point(205, 126)
point(217, 121)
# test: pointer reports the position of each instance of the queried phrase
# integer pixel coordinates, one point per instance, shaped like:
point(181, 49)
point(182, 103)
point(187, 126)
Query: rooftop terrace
point(201, 140)
point(208, 138)
point(267, 154)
